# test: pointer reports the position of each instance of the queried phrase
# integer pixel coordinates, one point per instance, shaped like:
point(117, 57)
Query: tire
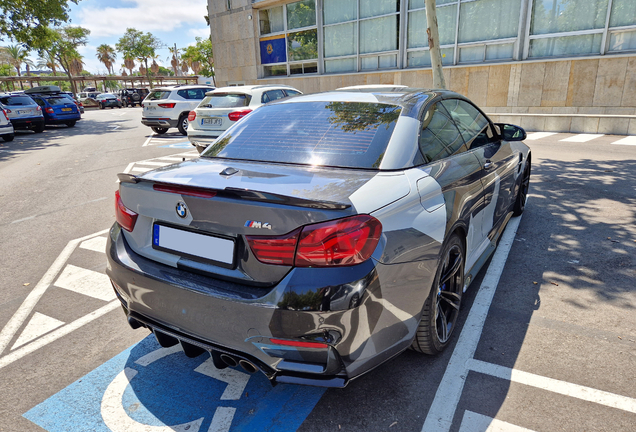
point(71, 124)
point(159, 130)
point(38, 128)
point(522, 194)
point(441, 309)
point(8, 137)
point(183, 124)
point(101, 106)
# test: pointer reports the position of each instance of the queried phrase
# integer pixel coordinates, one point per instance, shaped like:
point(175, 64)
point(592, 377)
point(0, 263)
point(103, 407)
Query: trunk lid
point(250, 199)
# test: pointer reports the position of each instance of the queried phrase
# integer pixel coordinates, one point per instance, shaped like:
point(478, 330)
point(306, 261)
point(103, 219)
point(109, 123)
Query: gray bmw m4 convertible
point(321, 235)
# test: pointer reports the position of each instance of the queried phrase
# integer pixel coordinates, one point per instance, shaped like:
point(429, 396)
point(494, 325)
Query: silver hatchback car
point(23, 112)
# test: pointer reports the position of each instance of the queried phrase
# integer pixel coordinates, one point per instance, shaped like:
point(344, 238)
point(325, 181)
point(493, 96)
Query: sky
point(172, 21)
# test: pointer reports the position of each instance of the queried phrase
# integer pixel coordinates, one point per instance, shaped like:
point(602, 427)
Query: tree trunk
point(433, 44)
point(148, 73)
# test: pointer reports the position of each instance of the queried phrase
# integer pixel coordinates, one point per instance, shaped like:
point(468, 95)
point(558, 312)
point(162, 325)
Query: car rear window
point(158, 94)
point(16, 100)
point(226, 100)
point(339, 134)
point(57, 100)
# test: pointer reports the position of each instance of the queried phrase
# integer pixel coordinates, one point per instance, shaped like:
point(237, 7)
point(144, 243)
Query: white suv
point(168, 107)
point(224, 106)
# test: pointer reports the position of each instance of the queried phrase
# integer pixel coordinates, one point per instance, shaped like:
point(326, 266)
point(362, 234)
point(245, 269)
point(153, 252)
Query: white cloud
point(201, 32)
point(144, 15)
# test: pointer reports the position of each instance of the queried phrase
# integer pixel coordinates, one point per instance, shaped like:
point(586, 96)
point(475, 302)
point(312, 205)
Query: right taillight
point(125, 217)
point(237, 115)
point(5, 115)
point(50, 110)
point(191, 116)
point(342, 242)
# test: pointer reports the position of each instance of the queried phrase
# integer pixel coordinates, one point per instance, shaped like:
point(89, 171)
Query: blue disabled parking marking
point(182, 144)
point(153, 389)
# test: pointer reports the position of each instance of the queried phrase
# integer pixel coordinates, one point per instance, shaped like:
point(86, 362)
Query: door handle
point(488, 164)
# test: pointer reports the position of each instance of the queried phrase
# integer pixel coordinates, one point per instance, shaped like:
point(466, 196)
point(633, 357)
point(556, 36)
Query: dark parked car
point(57, 107)
point(107, 100)
point(23, 112)
point(322, 234)
point(133, 96)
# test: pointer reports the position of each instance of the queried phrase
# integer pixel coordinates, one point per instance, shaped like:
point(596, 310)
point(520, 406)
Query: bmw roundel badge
point(182, 210)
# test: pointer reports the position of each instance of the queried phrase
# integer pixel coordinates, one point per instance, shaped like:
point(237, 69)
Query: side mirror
point(511, 132)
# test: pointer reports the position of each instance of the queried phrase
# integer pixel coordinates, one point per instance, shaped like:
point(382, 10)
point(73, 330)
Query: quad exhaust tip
point(247, 366)
point(229, 360)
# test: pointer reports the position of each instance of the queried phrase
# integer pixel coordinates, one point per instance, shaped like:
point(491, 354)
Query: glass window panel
point(310, 68)
point(417, 4)
point(340, 65)
point(471, 54)
point(302, 45)
point(468, 118)
point(488, 19)
point(301, 14)
point(341, 40)
point(623, 41)
point(369, 63)
point(439, 137)
point(275, 70)
point(380, 34)
point(370, 8)
point(499, 51)
point(336, 11)
point(446, 19)
point(423, 58)
point(553, 16)
point(623, 13)
point(271, 20)
point(567, 45)
point(387, 61)
point(295, 69)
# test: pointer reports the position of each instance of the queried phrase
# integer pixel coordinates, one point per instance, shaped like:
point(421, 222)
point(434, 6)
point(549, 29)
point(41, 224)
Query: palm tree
point(48, 61)
point(107, 55)
point(129, 63)
point(17, 55)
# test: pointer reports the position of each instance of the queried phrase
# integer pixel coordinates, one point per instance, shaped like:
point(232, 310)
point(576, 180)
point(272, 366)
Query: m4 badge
point(260, 225)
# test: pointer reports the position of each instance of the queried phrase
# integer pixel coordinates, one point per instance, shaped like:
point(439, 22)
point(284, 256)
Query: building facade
point(563, 65)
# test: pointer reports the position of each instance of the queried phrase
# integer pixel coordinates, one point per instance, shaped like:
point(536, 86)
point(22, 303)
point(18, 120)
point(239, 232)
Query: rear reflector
point(237, 115)
point(191, 116)
point(166, 105)
point(299, 344)
point(341, 242)
point(125, 217)
point(185, 190)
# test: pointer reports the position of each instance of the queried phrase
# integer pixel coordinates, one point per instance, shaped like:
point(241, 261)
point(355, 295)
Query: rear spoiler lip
point(251, 195)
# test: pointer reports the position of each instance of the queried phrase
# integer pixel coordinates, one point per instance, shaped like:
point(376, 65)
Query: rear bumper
point(6, 129)
point(203, 141)
point(207, 313)
point(27, 123)
point(159, 122)
point(63, 118)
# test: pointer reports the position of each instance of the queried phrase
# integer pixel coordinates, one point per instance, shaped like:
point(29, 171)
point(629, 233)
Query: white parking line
point(440, 415)
point(86, 282)
point(473, 422)
point(582, 137)
point(39, 325)
point(158, 164)
point(145, 144)
point(630, 140)
point(539, 135)
point(561, 387)
point(18, 318)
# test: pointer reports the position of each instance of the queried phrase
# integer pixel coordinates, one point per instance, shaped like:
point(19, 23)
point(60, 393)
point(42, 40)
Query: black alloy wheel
point(441, 310)
point(101, 106)
point(8, 137)
point(71, 123)
point(522, 194)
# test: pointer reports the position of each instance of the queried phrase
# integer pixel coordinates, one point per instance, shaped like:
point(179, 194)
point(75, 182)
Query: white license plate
point(24, 112)
point(214, 121)
point(193, 244)
point(151, 108)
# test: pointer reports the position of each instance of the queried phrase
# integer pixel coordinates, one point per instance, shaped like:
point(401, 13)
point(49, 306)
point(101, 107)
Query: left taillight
point(50, 110)
point(341, 242)
point(167, 105)
point(237, 115)
point(125, 217)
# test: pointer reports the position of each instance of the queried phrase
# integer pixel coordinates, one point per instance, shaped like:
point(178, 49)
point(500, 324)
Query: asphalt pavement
point(547, 343)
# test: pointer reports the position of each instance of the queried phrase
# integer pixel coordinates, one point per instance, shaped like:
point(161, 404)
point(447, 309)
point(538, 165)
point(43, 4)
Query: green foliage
point(62, 44)
point(302, 45)
point(164, 71)
point(106, 54)
point(27, 21)
point(135, 44)
point(358, 117)
point(201, 52)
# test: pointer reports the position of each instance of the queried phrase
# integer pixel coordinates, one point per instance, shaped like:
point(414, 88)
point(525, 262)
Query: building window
point(289, 39)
